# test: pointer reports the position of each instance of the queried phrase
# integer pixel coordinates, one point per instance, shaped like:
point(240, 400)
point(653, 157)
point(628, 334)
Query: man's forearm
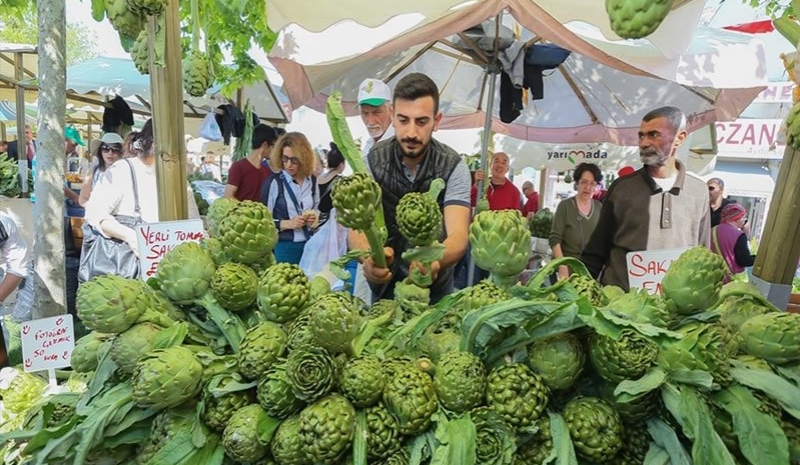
point(454, 248)
point(356, 240)
point(7, 286)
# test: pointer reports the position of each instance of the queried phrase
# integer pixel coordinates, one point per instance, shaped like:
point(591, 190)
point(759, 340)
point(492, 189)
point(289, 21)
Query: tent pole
point(22, 150)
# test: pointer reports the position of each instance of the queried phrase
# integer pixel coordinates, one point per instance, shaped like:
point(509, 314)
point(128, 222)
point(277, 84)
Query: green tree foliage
point(18, 25)
point(773, 8)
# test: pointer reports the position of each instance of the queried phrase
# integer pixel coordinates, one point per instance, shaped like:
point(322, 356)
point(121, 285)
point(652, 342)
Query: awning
point(744, 179)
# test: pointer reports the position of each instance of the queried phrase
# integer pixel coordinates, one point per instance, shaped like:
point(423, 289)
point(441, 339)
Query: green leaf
point(266, 427)
point(563, 450)
point(428, 254)
point(421, 446)
point(786, 393)
point(650, 381)
point(691, 411)
point(457, 440)
point(666, 438)
point(171, 337)
point(98, 10)
point(608, 323)
point(575, 266)
point(697, 378)
point(177, 450)
point(360, 439)
point(791, 373)
point(656, 455)
point(761, 438)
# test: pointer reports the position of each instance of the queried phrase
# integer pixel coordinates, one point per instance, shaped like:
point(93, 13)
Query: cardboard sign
point(647, 268)
point(47, 343)
point(156, 239)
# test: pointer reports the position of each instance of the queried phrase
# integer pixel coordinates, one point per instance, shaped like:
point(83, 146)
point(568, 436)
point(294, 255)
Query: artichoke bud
point(247, 230)
point(241, 437)
point(327, 427)
point(626, 358)
point(501, 242)
point(283, 291)
point(185, 272)
point(693, 281)
point(460, 381)
point(419, 216)
point(517, 394)
point(166, 377)
point(234, 286)
point(595, 428)
point(356, 198)
point(558, 359)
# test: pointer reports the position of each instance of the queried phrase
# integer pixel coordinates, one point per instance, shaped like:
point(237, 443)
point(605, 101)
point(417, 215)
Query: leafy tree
point(18, 25)
point(773, 8)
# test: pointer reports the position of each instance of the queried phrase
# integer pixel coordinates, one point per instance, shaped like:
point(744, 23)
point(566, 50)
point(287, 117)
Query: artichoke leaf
point(98, 10)
point(642, 328)
point(563, 451)
point(783, 391)
point(171, 337)
point(656, 455)
point(457, 440)
point(697, 378)
point(421, 447)
point(178, 449)
point(791, 373)
point(426, 254)
point(665, 437)
point(337, 266)
point(635, 388)
point(266, 427)
point(761, 438)
point(702, 317)
point(575, 266)
point(692, 413)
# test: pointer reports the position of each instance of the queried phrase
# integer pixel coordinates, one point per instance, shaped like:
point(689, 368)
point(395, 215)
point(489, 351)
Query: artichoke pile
point(511, 375)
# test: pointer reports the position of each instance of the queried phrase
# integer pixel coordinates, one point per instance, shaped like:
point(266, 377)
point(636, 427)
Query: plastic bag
point(328, 243)
point(210, 129)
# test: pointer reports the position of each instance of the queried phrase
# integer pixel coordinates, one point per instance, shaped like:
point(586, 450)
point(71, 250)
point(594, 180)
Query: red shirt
point(503, 197)
point(532, 205)
point(248, 179)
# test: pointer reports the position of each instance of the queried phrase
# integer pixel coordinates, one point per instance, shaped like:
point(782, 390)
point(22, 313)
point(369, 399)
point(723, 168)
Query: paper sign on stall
point(647, 268)
point(156, 239)
point(47, 343)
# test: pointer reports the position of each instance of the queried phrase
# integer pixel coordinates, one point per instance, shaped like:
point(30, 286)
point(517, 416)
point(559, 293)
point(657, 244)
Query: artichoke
point(318, 286)
point(626, 358)
point(327, 427)
point(589, 288)
point(112, 304)
point(693, 281)
point(334, 321)
point(125, 20)
point(632, 411)
point(558, 359)
point(437, 344)
point(299, 331)
point(735, 310)
point(394, 364)
point(283, 290)
point(480, 295)
point(247, 231)
point(287, 445)
point(635, 444)
point(263, 264)
point(401, 457)
point(261, 347)
point(198, 73)
point(501, 244)
point(311, 372)
point(84, 355)
point(166, 378)
point(163, 429)
point(275, 394)
point(495, 441)
point(148, 7)
point(219, 405)
point(775, 337)
point(460, 381)
point(634, 19)
point(383, 438)
point(133, 343)
point(218, 211)
point(242, 437)
point(234, 286)
point(704, 346)
point(213, 246)
point(540, 445)
point(361, 381)
point(140, 53)
point(517, 394)
point(419, 218)
point(411, 398)
point(185, 273)
point(357, 199)
point(594, 427)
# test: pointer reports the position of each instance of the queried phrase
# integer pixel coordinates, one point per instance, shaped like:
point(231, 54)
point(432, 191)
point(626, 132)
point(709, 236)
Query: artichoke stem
point(425, 364)
point(504, 282)
point(229, 325)
point(376, 246)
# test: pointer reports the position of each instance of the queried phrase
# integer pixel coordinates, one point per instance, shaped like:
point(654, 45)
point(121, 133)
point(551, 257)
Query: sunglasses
point(293, 160)
point(711, 188)
point(110, 148)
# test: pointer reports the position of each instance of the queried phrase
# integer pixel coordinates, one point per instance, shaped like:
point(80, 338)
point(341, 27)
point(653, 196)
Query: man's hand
point(376, 274)
point(433, 268)
point(132, 242)
point(563, 272)
point(479, 175)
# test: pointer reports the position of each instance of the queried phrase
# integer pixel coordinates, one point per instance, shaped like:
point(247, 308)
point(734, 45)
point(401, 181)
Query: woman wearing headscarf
point(292, 196)
point(728, 240)
point(576, 217)
point(107, 150)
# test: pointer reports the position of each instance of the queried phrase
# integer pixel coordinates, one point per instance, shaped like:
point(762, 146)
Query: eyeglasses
point(711, 188)
point(584, 182)
point(110, 148)
point(293, 160)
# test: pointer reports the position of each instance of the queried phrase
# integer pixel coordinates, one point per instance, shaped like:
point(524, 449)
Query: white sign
point(776, 92)
point(647, 268)
point(47, 343)
point(751, 138)
point(156, 239)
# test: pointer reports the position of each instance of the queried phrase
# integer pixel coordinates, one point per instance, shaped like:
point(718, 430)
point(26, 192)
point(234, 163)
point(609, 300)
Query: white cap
point(374, 92)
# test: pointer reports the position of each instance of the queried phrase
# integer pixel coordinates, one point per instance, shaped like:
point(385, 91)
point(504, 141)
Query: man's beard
point(653, 157)
point(414, 153)
point(375, 131)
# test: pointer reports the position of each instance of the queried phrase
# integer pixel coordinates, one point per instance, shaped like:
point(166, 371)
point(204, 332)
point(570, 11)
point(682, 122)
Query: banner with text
point(776, 92)
point(156, 239)
point(47, 343)
point(647, 268)
point(751, 138)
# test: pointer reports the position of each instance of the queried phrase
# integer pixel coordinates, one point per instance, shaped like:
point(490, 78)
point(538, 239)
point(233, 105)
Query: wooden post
point(22, 150)
point(166, 89)
point(779, 249)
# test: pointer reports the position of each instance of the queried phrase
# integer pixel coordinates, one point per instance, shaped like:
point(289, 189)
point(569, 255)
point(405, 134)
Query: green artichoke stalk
point(185, 276)
point(357, 200)
point(594, 427)
point(693, 281)
point(501, 244)
point(327, 427)
point(112, 304)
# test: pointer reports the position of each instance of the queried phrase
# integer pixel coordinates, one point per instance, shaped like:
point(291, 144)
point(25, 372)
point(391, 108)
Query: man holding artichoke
point(409, 162)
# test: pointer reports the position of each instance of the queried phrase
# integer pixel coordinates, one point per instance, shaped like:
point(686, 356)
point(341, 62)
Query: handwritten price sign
point(47, 343)
point(156, 239)
point(647, 268)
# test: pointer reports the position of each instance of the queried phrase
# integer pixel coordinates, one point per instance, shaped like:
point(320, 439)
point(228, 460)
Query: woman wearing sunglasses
point(107, 150)
point(291, 195)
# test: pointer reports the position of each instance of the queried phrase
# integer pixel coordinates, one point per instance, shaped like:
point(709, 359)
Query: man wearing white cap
point(375, 103)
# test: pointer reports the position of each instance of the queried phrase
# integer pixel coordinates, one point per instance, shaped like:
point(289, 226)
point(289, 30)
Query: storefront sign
point(647, 268)
point(156, 239)
point(47, 343)
point(776, 92)
point(751, 138)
